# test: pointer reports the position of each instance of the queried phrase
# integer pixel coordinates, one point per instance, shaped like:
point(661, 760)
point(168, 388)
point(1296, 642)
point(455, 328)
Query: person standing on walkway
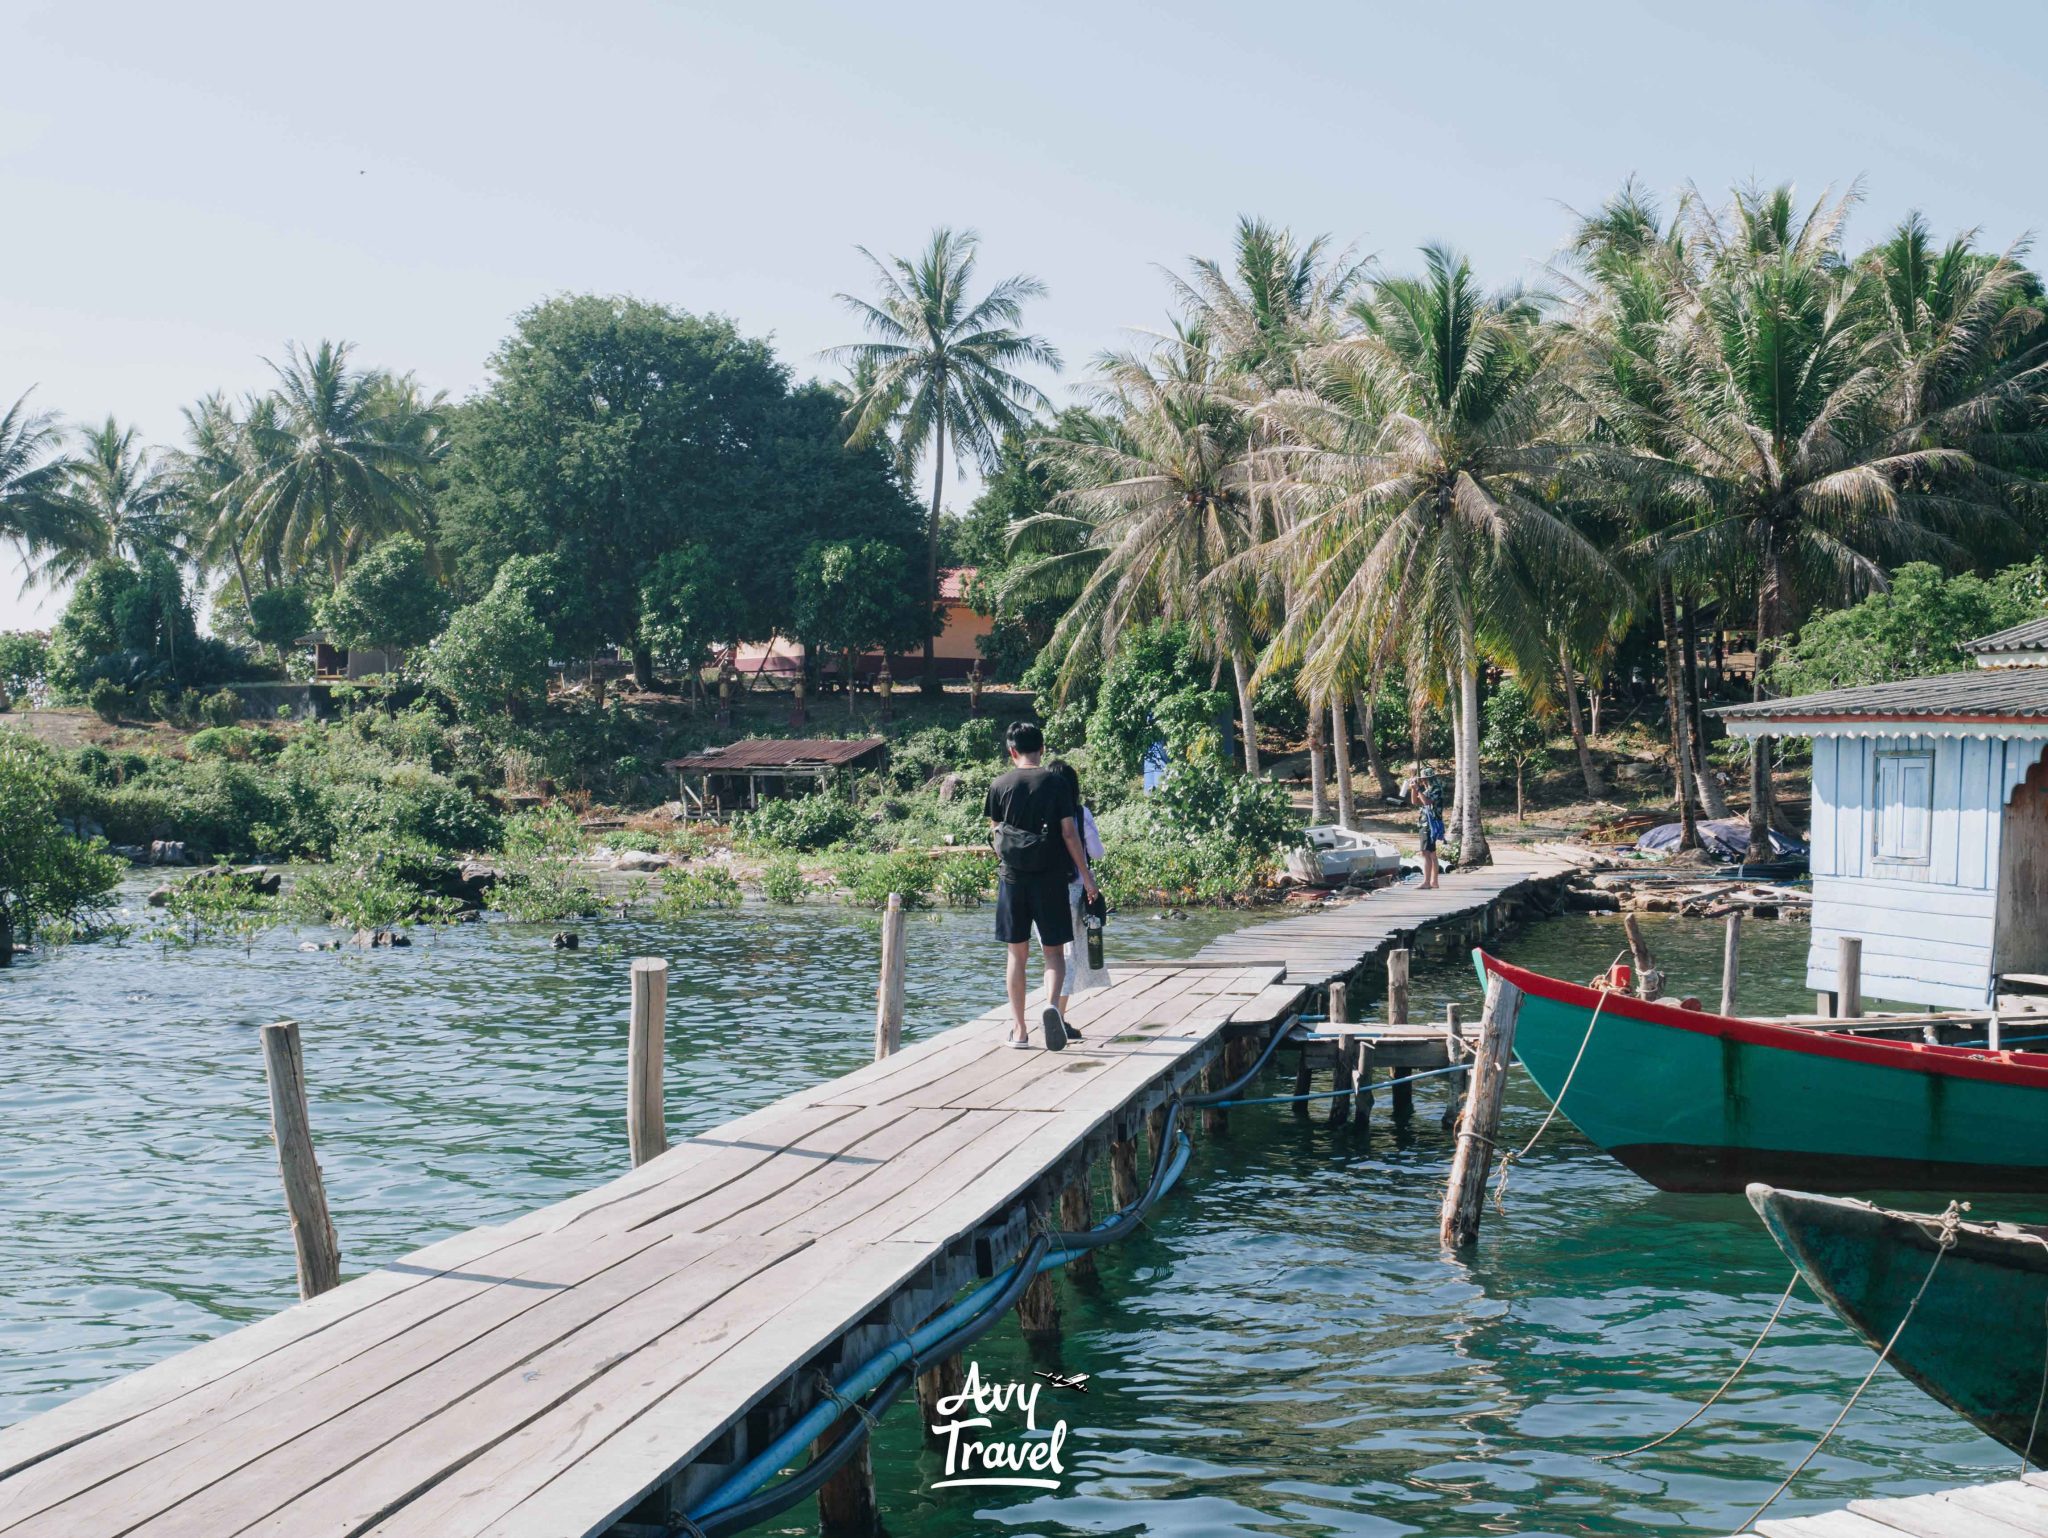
point(1032, 817)
point(1427, 797)
point(1081, 977)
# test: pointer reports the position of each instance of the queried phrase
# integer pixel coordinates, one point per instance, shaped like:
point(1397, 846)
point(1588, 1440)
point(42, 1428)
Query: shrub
point(223, 708)
point(1204, 799)
point(782, 881)
point(1139, 872)
point(799, 823)
point(106, 699)
point(623, 840)
point(162, 706)
point(236, 742)
point(539, 883)
point(685, 890)
point(868, 880)
point(965, 879)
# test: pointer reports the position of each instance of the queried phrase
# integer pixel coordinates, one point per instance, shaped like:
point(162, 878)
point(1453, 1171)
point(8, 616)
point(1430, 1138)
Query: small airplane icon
point(1078, 1382)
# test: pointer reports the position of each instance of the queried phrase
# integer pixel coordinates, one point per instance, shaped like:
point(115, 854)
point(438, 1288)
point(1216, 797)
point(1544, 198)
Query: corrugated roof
point(953, 582)
point(780, 753)
point(1982, 694)
point(2027, 637)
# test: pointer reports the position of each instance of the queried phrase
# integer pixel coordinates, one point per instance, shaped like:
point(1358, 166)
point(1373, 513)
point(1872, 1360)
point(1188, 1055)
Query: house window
point(1905, 807)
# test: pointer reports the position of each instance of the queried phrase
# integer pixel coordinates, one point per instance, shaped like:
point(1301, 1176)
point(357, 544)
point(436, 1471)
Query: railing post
point(305, 1194)
point(889, 990)
point(1397, 1014)
point(1849, 977)
point(646, 1118)
point(1465, 1192)
point(1454, 1053)
point(1731, 953)
point(1339, 997)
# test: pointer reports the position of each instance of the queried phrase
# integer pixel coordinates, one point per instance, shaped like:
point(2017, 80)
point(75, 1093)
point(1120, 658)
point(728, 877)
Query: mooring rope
point(1507, 1160)
point(1726, 1383)
point(1332, 1094)
point(1945, 1242)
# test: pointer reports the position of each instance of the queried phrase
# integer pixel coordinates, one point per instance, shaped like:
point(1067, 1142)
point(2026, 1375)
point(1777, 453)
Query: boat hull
point(1978, 1338)
point(1693, 1101)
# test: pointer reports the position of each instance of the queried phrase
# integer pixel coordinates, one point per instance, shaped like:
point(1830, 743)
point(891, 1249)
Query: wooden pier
point(601, 1364)
point(2013, 1508)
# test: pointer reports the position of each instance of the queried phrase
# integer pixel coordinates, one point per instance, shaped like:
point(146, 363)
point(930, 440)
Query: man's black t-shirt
point(1033, 799)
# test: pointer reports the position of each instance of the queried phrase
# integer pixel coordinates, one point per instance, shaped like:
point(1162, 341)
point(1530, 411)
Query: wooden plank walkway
point(1335, 942)
point(636, 1342)
point(2014, 1508)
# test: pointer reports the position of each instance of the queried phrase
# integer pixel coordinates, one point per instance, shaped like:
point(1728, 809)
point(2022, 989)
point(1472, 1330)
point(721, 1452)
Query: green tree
point(131, 624)
point(1515, 734)
point(46, 875)
point(24, 663)
point(390, 599)
point(940, 366)
point(1915, 626)
point(119, 502)
point(856, 596)
point(278, 616)
point(493, 657)
point(34, 512)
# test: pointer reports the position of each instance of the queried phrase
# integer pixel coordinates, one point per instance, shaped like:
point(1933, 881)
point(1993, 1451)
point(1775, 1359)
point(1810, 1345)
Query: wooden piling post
point(1340, 1076)
point(1076, 1213)
point(1155, 1135)
point(1649, 982)
point(1397, 1014)
point(1465, 1192)
point(1215, 1120)
point(646, 1042)
point(1302, 1080)
point(1038, 1310)
point(305, 1194)
point(889, 990)
point(937, 1383)
point(1731, 953)
point(1849, 977)
point(1124, 1189)
point(1454, 1053)
point(846, 1501)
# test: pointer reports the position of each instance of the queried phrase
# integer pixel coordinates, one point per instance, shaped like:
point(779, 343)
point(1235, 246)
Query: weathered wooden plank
point(2012, 1502)
point(1931, 1516)
point(1826, 1524)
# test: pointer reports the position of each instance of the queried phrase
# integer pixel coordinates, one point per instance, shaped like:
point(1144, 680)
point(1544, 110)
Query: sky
point(185, 189)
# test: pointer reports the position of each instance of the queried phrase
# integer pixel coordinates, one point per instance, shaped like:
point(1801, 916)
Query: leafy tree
point(616, 433)
point(118, 503)
point(46, 875)
point(389, 599)
point(278, 616)
point(1915, 626)
point(941, 365)
point(1155, 690)
point(856, 596)
point(493, 657)
point(24, 661)
point(34, 513)
point(1515, 734)
point(131, 624)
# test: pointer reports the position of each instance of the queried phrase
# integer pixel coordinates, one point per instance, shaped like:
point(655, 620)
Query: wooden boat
point(1978, 1338)
point(1693, 1101)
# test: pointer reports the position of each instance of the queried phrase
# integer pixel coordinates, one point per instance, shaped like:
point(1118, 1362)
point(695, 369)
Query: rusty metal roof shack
point(739, 775)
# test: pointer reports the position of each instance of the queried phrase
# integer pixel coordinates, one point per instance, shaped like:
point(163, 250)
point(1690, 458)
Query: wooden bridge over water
point(601, 1364)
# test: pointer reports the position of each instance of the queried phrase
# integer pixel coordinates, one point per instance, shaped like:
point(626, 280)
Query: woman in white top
point(1080, 976)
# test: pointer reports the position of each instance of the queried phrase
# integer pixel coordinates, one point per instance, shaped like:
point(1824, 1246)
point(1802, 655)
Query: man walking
point(1031, 811)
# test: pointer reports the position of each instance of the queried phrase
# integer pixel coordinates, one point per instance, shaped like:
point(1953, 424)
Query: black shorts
point(1025, 901)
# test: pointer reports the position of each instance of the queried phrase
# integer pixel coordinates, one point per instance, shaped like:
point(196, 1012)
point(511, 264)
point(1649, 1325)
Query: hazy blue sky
point(185, 188)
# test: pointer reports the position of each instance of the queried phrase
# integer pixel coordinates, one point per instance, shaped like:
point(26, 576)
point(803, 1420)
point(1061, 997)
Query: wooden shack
point(1930, 823)
point(741, 775)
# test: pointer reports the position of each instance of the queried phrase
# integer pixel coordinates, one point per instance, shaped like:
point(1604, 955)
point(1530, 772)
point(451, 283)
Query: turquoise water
point(1283, 1348)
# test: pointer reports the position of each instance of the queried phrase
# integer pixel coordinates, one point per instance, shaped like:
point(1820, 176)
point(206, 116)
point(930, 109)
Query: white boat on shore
point(1330, 855)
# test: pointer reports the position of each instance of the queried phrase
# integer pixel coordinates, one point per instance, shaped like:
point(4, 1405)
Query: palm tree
point(1813, 444)
point(213, 473)
point(344, 461)
point(939, 368)
point(34, 512)
point(120, 504)
point(1415, 466)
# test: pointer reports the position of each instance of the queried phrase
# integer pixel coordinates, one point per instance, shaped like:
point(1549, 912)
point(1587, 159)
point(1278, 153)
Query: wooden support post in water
point(1155, 1135)
point(1465, 1192)
point(1215, 1121)
point(1649, 982)
point(646, 1043)
point(889, 990)
point(1731, 954)
point(1340, 1076)
point(1038, 1310)
point(305, 1195)
point(846, 1500)
point(1397, 1014)
point(1076, 1213)
point(1302, 1080)
point(1454, 1052)
point(940, 1382)
point(1849, 977)
point(1124, 1189)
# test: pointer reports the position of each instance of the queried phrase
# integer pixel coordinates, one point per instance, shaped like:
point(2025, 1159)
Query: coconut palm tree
point(343, 461)
point(34, 512)
point(939, 370)
point(120, 504)
point(1814, 444)
point(213, 473)
point(1415, 469)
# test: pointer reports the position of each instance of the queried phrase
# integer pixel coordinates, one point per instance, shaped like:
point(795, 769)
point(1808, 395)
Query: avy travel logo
point(993, 1436)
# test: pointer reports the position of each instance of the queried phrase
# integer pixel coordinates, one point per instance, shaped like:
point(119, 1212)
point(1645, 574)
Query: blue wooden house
point(1930, 823)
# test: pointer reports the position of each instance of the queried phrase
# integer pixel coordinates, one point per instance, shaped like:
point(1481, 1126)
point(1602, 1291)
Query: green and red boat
point(1694, 1101)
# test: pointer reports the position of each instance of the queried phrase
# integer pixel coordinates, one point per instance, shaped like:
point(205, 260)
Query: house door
point(2022, 944)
